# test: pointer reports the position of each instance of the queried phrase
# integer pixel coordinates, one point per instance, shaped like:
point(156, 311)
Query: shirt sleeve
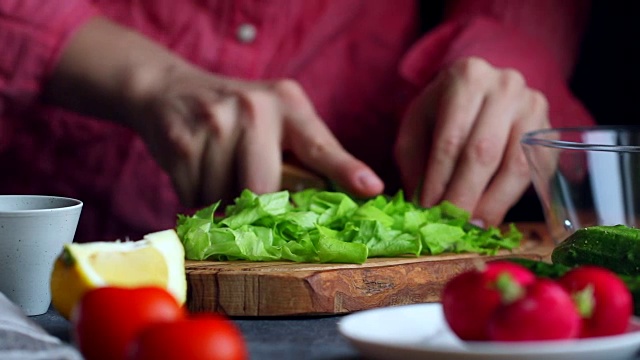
point(32, 35)
point(539, 38)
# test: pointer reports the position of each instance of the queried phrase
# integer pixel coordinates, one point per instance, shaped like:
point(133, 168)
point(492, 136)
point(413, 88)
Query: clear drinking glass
point(585, 176)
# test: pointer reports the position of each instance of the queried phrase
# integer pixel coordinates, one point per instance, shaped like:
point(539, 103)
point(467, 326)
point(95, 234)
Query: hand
point(212, 135)
point(216, 136)
point(460, 139)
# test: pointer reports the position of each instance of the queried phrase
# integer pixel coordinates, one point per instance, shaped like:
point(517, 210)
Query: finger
point(217, 164)
point(260, 152)
point(513, 177)
point(413, 141)
point(463, 95)
point(487, 141)
point(314, 145)
point(181, 158)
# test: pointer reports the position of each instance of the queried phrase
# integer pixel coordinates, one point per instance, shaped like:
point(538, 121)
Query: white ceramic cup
point(33, 231)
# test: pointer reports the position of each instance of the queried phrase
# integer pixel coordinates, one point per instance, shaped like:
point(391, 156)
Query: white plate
point(420, 332)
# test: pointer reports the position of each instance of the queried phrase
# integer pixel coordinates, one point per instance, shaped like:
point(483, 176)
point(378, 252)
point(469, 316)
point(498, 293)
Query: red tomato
point(206, 337)
point(107, 319)
point(606, 306)
point(545, 312)
point(469, 299)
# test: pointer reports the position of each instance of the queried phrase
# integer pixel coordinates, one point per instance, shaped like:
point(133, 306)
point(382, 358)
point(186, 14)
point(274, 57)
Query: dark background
point(608, 70)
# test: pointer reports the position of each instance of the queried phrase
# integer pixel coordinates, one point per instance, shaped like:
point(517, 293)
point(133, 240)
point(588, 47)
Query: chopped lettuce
point(331, 227)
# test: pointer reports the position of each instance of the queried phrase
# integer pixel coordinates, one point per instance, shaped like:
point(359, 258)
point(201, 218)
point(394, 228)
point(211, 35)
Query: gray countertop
point(267, 338)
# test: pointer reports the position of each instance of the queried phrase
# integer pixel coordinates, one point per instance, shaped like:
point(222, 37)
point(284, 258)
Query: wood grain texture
point(285, 288)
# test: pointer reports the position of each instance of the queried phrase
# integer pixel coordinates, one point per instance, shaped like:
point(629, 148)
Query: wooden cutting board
point(284, 288)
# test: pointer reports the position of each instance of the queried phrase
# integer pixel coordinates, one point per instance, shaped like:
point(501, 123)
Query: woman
point(145, 109)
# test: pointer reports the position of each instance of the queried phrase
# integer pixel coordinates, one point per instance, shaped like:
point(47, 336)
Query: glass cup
point(585, 176)
point(33, 230)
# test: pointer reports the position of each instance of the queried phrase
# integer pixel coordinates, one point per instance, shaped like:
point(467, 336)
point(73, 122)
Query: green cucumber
point(614, 247)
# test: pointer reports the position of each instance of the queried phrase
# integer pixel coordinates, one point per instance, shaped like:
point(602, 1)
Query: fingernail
point(477, 222)
point(367, 180)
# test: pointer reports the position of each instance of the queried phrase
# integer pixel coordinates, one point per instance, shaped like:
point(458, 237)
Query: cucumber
point(633, 284)
point(614, 247)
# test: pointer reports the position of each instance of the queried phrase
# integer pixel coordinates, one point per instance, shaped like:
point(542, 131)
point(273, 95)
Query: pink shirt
point(360, 62)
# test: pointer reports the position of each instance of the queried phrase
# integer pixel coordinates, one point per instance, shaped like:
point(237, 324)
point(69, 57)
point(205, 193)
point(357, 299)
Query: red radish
point(545, 312)
point(603, 299)
point(469, 299)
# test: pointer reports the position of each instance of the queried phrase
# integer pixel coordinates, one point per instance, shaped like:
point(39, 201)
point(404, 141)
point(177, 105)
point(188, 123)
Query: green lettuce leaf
point(325, 226)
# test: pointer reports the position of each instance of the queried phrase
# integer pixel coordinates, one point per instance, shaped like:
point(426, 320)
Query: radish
point(470, 298)
point(603, 299)
point(545, 312)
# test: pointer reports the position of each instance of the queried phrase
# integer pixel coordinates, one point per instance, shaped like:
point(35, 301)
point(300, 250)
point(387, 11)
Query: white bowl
point(33, 230)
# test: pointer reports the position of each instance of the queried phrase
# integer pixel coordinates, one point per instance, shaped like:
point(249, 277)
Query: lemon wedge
point(156, 260)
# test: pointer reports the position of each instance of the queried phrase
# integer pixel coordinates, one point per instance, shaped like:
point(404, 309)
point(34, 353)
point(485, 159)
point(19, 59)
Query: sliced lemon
point(156, 260)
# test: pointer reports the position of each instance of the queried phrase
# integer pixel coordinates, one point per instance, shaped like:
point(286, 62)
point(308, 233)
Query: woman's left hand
point(460, 139)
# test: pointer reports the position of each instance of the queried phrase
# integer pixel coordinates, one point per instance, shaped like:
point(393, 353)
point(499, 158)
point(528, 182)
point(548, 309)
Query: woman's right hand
point(215, 135)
